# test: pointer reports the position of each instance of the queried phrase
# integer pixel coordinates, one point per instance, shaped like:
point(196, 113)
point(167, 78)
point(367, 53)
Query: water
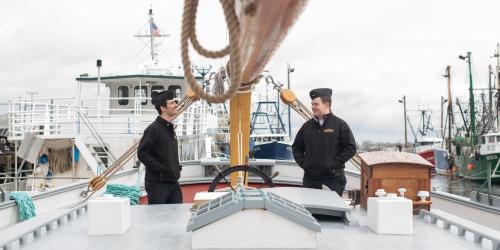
point(460, 186)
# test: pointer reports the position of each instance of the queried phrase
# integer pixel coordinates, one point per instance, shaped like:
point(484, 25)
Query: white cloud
point(370, 52)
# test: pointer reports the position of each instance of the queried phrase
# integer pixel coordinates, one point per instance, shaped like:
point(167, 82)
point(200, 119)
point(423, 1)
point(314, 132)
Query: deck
point(164, 227)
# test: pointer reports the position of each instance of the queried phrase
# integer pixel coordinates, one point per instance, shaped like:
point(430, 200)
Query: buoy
point(470, 166)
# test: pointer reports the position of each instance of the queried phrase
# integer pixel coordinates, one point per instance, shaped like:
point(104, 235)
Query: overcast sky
point(370, 53)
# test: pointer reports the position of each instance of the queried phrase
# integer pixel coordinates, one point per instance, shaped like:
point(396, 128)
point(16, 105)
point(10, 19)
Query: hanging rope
point(24, 204)
point(120, 190)
point(189, 34)
point(60, 160)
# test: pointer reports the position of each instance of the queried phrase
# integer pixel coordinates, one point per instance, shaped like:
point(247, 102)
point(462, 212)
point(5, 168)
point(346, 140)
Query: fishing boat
point(477, 155)
point(60, 141)
point(429, 147)
point(268, 135)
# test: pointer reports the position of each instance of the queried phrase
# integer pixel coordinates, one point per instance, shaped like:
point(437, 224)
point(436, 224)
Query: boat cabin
point(428, 143)
point(489, 143)
point(127, 92)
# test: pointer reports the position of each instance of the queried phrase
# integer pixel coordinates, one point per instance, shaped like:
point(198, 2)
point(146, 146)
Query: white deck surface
point(164, 227)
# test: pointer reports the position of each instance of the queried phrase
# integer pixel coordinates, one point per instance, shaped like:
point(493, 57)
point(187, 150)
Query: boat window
point(123, 95)
point(141, 93)
point(491, 139)
point(176, 89)
point(424, 143)
point(157, 88)
point(498, 138)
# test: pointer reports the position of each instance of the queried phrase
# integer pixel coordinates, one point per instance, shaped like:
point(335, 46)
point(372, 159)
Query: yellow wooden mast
point(239, 127)
point(256, 28)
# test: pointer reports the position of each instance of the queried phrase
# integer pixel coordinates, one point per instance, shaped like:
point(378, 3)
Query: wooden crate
point(390, 171)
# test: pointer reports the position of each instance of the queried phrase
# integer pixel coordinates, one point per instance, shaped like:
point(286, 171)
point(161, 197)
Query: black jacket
point(158, 152)
point(322, 150)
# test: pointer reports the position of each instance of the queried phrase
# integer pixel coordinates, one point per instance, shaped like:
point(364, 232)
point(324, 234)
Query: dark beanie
point(159, 98)
point(321, 92)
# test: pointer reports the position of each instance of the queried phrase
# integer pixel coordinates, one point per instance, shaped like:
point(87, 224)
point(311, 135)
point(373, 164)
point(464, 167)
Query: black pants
point(336, 183)
point(163, 192)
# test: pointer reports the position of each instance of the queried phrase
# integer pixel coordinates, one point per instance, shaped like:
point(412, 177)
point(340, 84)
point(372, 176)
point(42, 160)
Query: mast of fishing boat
point(490, 99)
point(498, 85)
point(471, 99)
point(288, 71)
point(450, 107)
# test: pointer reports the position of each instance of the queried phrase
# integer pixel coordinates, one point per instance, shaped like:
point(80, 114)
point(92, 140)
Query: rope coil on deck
point(25, 205)
point(119, 190)
point(189, 34)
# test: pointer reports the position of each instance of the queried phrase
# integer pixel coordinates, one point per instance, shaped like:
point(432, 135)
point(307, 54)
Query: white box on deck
point(390, 215)
point(110, 215)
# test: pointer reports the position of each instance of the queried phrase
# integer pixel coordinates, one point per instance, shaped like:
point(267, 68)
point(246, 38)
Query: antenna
point(154, 32)
point(203, 71)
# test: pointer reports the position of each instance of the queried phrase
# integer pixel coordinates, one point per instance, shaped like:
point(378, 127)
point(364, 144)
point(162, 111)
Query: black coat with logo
point(158, 152)
point(322, 150)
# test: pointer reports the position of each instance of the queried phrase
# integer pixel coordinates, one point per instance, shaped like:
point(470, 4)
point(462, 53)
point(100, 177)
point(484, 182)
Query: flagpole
point(151, 34)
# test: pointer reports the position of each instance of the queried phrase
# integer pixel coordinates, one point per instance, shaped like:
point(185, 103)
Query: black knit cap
point(159, 97)
point(315, 93)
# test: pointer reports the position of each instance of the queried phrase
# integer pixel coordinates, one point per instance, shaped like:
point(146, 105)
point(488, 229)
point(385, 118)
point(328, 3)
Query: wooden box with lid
point(391, 171)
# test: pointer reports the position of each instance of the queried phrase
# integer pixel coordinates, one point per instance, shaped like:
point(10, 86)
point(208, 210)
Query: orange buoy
point(470, 166)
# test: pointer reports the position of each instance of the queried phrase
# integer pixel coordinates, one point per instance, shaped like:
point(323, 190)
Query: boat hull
point(476, 168)
point(438, 158)
point(273, 150)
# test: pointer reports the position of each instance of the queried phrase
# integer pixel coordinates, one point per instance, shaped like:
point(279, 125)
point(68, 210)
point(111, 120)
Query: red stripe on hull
point(190, 190)
point(428, 155)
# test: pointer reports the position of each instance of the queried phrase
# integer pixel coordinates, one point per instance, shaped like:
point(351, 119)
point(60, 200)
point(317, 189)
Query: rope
point(464, 178)
point(196, 44)
point(188, 34)
point(120, 190)
point(24, 204)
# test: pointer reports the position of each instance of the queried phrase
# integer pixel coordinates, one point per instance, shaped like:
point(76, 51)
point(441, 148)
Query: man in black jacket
point(158, 152)
point(323, 144)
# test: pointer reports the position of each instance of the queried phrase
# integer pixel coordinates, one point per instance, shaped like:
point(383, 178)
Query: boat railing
point(96, 135)
point(463, 226)
point(59, 117)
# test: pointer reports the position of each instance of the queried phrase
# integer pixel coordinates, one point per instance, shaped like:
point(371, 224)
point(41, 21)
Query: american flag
point(154, 29)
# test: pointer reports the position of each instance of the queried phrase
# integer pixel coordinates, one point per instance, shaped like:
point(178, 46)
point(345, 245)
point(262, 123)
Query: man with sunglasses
point(159, 153)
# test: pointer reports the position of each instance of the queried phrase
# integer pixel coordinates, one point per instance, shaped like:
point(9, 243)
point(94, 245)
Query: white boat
point(80, 136)
point(102, 123)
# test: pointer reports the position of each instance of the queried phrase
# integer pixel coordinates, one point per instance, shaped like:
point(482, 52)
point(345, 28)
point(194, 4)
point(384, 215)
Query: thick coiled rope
point(189, 34)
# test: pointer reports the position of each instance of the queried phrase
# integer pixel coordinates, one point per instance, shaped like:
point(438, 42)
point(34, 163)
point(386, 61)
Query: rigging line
point(143, 28)
point(164, 54)
point(463, 179)
point(135, 57)
point(476, 75)
point(460, 188)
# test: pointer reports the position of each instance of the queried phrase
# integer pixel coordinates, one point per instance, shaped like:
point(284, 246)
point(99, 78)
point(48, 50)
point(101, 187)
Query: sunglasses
point(172, 102)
